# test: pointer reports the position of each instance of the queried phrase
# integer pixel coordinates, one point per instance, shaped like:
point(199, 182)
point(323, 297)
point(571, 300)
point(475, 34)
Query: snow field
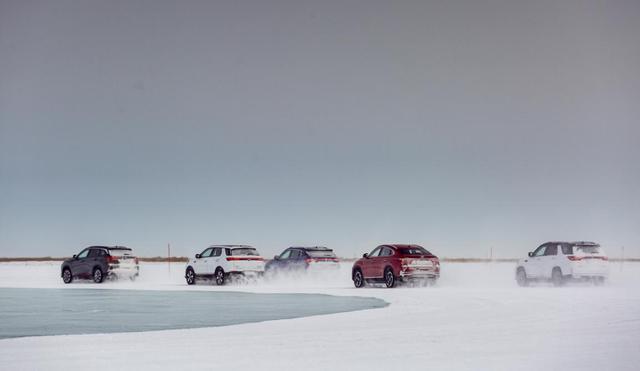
point(476, 318)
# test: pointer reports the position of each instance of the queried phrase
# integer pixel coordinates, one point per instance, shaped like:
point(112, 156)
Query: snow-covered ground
point(476, 318)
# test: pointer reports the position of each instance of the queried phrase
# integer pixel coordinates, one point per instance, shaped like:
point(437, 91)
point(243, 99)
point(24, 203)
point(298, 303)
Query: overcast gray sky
point(458, 125)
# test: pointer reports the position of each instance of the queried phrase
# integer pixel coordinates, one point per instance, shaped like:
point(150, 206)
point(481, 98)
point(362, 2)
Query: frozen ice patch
point(87, 311)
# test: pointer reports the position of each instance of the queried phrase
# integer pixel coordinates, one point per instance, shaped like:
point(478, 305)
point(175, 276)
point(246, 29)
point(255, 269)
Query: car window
point(321, 253)
point(285, 254)
point(243, 251)
point(567, 249)
point(83, 254)
point(587, 249)
point(295, 254)
point(414, 250)
point(93, 253)
point(386, 251)
point(551, 250)
point(217, 251)
point(118, 252)
point(540, 251)
point(206, 253)
point(375, 252)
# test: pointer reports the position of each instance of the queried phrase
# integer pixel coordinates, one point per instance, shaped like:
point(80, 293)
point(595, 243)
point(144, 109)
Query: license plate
point(422, 263)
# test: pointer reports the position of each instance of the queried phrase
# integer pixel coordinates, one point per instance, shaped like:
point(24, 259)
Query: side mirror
point(530, 254)
point(276, 257)
point(75, 256)
point(197, 256)
point(365, 255)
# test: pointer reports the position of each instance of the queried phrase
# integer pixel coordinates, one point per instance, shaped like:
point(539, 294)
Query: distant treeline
point(184, 259)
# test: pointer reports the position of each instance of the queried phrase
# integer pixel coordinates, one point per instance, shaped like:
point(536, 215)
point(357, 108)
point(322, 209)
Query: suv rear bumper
point(247, 272)
point(588, 275)
point(417, 274)
point(123, 271)
point(579, 272)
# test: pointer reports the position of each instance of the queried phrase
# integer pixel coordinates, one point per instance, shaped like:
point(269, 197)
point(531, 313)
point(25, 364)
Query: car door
point(533, 264)
point(549, 260)
point(383, 260)
point(93, 260)
point(283, 259)
point(200, 265)
point(296, 260)
point(79, 265)
point(564, 263)
point(213, 262)
point(369, 264)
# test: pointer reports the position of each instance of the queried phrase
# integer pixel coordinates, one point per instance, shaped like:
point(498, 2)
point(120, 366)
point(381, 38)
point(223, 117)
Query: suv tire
point(521, 277)
point(358, 279)
point(97, 275)
point(67, 277)
point(190, 276)
point(389, 278)
point(556, 277)
point(219, 277)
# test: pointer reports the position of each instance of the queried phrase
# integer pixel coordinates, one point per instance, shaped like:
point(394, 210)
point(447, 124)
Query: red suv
point(390, 263)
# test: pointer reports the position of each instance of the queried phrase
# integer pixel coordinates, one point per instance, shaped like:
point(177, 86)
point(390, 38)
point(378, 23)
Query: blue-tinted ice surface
point(35, 312)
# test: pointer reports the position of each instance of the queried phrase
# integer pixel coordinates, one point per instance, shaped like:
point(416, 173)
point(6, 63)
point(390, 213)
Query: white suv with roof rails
point(559, 262)
point(221, 261)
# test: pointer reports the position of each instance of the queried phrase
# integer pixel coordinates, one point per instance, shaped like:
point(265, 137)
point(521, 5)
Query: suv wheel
point(521, 277)
point(190, 276)
point(219, 277)
point(389, 278)
point(67, 277)
point(556, 277)
point(97, 275)
point(358, 278)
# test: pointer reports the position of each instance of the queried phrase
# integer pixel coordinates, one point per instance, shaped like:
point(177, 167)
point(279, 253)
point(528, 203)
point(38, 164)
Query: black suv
point(302, 258)
point(100, 262)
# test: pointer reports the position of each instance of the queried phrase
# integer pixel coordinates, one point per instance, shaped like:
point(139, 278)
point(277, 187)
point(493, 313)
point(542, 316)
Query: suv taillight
point(315, 260)
point(112, 259)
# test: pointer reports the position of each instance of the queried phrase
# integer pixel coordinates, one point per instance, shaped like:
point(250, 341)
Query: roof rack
point(311, 248)
point(110, 247)
point(585, 243)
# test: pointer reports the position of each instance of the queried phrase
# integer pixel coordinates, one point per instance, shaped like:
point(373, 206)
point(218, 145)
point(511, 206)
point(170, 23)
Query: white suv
point(561, 261)
point(221, 261)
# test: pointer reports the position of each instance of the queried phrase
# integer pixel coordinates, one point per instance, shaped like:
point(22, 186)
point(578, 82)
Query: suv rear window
point(417, 250)
point(590, 249)
point(120, 252)
point(244, 251)
point(321, 253)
